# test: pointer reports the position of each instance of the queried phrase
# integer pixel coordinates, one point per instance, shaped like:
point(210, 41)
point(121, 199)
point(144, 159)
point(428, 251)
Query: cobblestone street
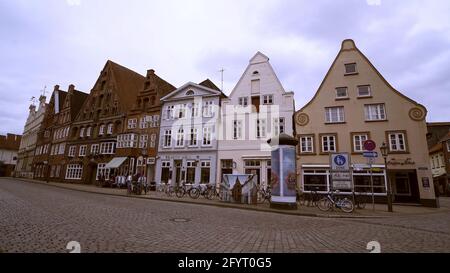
point(41, 218)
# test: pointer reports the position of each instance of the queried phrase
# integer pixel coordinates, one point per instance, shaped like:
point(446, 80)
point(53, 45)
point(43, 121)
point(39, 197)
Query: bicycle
point(263, 195)
point(310, 199)
point(359, 201)
point(331, 201)
point(198, 190)
point(212, 192)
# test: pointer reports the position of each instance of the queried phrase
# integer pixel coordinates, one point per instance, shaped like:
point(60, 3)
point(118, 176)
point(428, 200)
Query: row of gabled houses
point(134, 124)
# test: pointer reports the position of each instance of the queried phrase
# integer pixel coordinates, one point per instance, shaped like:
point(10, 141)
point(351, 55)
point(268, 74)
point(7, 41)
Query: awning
point(115, 162)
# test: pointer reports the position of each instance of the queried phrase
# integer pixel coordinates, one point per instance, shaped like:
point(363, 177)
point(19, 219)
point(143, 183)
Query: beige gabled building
point(355, 103)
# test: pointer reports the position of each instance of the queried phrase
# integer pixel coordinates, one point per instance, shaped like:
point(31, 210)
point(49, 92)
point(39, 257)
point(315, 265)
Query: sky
point(49, 42)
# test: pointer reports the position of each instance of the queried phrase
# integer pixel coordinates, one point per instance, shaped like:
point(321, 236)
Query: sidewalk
point(379, 212)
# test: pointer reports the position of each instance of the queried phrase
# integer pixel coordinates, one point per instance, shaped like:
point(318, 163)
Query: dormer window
point(190, 93)
point(350, 68)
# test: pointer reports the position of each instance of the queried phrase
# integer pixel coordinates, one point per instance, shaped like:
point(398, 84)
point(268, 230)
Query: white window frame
point(88, 131)
point(207, 136)
point(329, 114)
point(109, 130)
point(306, 142)
point(74, 171)
point(243, 101)
point(101, 130)
point(95, 149)
point(143, 141)
point(375, 112)
point(359, 142)
point(167, 138)
point(62, 147)
point(337, 92)
point(208, 110)
point(107, 148)
point(349, 73)
point(72, 151)
point(278, 126)
point(267, 99)
point(237, 129)
point(82, 152)
point(82, 132)
point(369, 90)
point(261, 128)
point(152, 140)
point(328, 139)
point(193, 137)
point(397, 143)
point(132, 123)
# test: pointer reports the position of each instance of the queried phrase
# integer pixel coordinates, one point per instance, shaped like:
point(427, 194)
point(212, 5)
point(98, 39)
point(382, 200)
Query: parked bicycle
point(213, 192)
point(332, 201)
point(310, 199)
point(263, 194)
point(198, 190)
point(359, 200)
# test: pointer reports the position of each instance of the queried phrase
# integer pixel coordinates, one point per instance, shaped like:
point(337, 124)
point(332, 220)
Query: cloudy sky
point(50, 42)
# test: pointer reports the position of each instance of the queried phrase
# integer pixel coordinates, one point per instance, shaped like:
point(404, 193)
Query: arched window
point(255, 73)
point(189, 93)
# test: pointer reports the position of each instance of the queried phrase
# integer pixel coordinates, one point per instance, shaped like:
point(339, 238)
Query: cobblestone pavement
point(39, 218)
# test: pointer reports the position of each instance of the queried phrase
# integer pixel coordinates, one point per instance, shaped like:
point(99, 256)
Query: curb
point(219, 205)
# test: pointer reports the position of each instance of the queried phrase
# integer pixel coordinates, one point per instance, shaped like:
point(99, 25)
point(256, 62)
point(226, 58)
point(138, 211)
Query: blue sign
point(340, 160)
point(370, 154)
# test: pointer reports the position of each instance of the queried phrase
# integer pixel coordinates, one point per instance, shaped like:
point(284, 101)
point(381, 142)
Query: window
point(306, 144)
point(127, 141)
point(375, 112)
point(205, 172)
point(397, 142)
point(260, 128)
point(169, 111)
point(101, 130)
point(358, 141)
point(165, 171)
point(268, 99)
point(143, 140)
point(181, 113)
point(208, 109)
point(207, 136)
point(334, 114)
point(107, 148)
point(82, 132)
point(328, 143)
point(180, 138)
point(156, 121)
point(82, 150)
point(143, 123)
point(88, 131)
point(364, 91)
point(101, 170)
point(341, 92)
point(190, 172)
point(110, 129)
point(227, 166)
point(47, 134)
point(278, 126)
point(72, 151)
point(190, 93)
point(167, 138)
point(193, 137)
point(74, 171)
point(153, 141)
point(350, 68)
point(237, 129)
point(243, 101)
point(62, 147)
point(132, 123)
point(194, 109)
point(95, 148)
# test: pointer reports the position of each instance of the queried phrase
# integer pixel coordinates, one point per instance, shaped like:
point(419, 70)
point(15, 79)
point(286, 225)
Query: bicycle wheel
point(209, 194)
point(361, 204)
point(194, 193)
point(324, 204)
point(169, 191)
point(260, 197)
point(346, 205)
point(180, 192)
point(301, 200)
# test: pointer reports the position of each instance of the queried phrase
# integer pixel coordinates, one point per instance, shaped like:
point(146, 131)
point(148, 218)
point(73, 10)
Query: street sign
point(341, 176)
point(339, 162)
point(369, 145)
point(342, 185)
point(370, 154)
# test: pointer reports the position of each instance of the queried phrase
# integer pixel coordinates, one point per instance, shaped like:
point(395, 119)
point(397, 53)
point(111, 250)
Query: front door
point(178, 177)
point(405, 187)
point(256, 172)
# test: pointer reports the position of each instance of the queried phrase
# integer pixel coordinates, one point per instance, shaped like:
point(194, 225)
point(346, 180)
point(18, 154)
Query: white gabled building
point(257, 109)
point(187, 151)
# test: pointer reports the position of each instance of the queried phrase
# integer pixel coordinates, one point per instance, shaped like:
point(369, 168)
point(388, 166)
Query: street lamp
point(385, 152)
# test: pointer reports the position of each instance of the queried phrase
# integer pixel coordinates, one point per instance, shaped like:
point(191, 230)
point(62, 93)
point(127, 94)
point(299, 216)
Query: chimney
point(150, 72)
point(32, 108)
point(56, 88)
point(71, 89)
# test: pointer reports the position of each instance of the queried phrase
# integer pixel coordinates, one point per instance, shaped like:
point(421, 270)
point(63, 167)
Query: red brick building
point(9, 147)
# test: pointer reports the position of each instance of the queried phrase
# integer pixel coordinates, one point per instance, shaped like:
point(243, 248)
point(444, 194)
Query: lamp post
point(385, 152)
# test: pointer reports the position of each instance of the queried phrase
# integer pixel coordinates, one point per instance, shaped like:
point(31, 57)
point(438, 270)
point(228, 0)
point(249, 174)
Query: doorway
point(178, 176)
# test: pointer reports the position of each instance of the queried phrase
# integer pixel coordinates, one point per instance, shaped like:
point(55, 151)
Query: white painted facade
point(186, 159)
point(29, 138)
point(242, 146)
